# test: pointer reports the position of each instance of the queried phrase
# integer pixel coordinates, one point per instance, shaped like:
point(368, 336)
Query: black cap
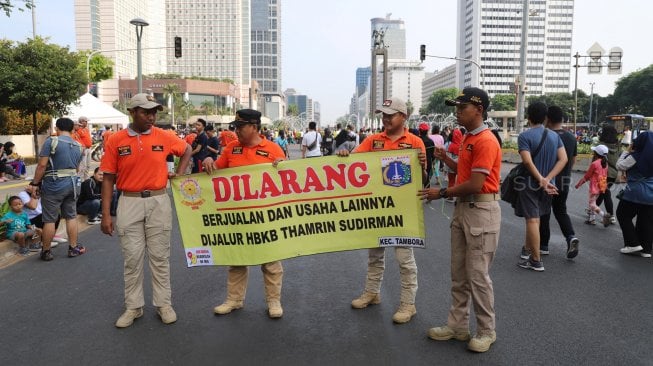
point(247, 116)
point(474, 96)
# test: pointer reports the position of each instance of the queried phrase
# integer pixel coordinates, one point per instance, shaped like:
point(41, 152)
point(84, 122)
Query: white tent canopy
point(97, 112)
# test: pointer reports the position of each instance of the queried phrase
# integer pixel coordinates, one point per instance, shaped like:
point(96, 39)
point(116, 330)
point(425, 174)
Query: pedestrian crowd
point(126, 195)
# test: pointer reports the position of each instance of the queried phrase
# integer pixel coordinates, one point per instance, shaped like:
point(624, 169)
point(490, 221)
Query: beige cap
point(144, 101)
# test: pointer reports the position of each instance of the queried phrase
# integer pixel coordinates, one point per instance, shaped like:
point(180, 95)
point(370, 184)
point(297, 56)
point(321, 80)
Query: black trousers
point(607, 197)
point(640, 233)
point(559, 207)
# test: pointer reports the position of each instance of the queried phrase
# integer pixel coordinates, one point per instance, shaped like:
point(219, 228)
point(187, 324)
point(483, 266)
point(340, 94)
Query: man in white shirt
point(311, 142)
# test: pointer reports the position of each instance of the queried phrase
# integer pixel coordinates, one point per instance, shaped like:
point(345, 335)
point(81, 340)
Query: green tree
point(40, 77)
point(633, 92)
point(409, 108)
point(206, 106)
point(293, 110)
point(99, 67)
point(8, 7)
point(436, 101)
point(187, 107)
point(503, 102)
point(172, 91)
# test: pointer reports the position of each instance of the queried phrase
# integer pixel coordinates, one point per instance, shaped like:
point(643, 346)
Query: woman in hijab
point(636, 199)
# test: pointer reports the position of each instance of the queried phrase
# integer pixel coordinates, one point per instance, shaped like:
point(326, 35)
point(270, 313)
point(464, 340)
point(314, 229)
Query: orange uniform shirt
point(83, 136)
point(237, 155)
point(226, 137)
point(381, 141)
point(190, 138)
point(139, 160)
point(105, 136)
point(480, 153)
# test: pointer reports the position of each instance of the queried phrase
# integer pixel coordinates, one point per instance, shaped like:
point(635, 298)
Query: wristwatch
point(443, 193)
point(32, 183)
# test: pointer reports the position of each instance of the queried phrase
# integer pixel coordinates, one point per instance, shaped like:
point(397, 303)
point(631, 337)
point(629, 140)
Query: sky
point(323, 42)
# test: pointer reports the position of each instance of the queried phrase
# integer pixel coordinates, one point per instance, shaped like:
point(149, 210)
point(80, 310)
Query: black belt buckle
point(146, 194)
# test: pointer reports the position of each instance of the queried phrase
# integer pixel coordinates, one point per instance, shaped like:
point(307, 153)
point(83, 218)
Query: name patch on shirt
point(377, 144)
point(157, 147)
point(237, 150)
point(124, 150)
point(262, 153)
point(404, 145)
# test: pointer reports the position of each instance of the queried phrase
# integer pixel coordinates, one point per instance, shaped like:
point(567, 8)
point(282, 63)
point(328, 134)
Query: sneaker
point(482, 343)
point(645, 255)
point(53, 244)
point(543, 251)
point(531, 264)
point(446, 333)
point(167, 314)
point(572, 248)
point(46, 255)
point(366, 299)
point(613, 220)
point(35, 247)
point(628, 250)
point(607, 220)
point(95, 221)
point(59, 239)
point(127, 318)
point(590, 222)
point(227, 307)
point(404, 313)
point(24, 251)
point(76, 251)
point(274, 309)
point(525, 253)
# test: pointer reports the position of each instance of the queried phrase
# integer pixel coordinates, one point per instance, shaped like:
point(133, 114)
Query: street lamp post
point(589, 122)
point(139, 23)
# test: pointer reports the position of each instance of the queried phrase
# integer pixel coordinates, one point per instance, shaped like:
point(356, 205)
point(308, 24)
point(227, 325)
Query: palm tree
point(186, 107)
point(206, 105)
point(172, 91)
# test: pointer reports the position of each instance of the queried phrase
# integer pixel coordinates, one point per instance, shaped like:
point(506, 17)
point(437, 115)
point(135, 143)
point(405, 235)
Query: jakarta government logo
point(192, 193)
point(396, 171)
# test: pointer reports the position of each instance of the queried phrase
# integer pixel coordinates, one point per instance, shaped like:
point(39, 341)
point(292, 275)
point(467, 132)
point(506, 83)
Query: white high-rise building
point(104, 25)
point(489, 32)
point(215, 40)
point(405, 82)
point(442, 79)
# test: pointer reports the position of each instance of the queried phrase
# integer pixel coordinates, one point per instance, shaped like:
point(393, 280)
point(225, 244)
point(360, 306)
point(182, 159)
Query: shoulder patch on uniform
point(124, 150)
point(262, 153)
point(378, 144)
point(237, 150)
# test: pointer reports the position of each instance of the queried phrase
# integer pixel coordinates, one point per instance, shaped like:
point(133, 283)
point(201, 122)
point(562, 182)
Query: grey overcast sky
point(323, 42)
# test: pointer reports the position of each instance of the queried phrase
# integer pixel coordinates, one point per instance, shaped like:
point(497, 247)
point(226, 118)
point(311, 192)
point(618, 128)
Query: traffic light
point(177, 47)
point(422, 52)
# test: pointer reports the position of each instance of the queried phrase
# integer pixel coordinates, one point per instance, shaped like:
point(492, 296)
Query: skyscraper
point(104, 25)
point(489, 32)
point(266, 55)
point(215, 40)
point(362, 79)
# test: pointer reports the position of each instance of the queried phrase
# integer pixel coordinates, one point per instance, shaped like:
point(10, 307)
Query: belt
point(483, 197)
point(145, 194)
point(60, 173)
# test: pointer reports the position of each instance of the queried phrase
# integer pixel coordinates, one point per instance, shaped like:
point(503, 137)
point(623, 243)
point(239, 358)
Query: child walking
point(597, 175)
point(19, 228)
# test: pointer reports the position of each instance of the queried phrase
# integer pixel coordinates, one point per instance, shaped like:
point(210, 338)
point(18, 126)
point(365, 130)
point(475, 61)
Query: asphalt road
point(594, 310)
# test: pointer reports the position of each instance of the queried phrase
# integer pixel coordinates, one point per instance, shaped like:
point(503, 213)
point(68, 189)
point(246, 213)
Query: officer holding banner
point(395, 136)
point(475, 224)
point(250, 148)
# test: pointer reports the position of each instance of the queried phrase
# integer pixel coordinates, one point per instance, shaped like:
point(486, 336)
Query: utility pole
point(521, 91)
